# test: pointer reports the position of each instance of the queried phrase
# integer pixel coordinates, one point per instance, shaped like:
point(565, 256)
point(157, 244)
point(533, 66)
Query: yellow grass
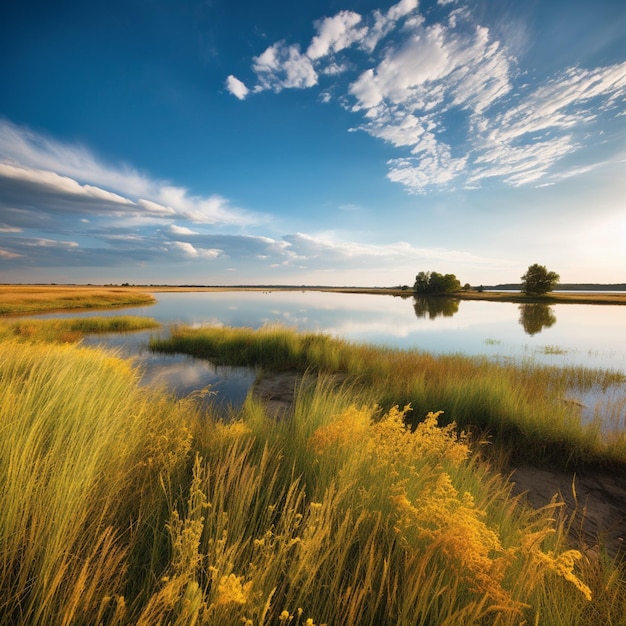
point(122, 506)
point(17, 299)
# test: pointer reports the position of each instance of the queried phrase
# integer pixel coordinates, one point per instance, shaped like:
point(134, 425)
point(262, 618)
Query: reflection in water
point(435, 307)
point(535, 317)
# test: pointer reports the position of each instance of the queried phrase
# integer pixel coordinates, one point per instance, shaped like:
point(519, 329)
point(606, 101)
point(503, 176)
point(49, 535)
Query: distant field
point(17, 299)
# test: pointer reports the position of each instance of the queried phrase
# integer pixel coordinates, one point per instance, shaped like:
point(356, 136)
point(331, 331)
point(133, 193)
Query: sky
point(334, 142)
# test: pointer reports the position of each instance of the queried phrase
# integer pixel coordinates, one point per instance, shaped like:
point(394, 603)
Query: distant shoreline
point(559, 297)
point(586, 297)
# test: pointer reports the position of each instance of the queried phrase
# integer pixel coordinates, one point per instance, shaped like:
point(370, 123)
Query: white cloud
point(236, 87)
point(191, 251)
point(181, 230)
point(57, 170)
point(335, 33)
point(282, 67)
point(319, 252)
point(7, 254)
point(447, 95)
point(59, 184)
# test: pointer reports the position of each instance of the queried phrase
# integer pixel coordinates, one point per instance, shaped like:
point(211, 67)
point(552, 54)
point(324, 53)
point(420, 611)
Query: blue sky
point(338, 142)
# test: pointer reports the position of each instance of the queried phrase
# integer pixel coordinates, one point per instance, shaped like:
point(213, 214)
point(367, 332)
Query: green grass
point(123, 506)
point(520, 406)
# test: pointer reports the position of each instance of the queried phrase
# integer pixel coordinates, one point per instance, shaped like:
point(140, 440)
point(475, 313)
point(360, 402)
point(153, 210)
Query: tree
point(433, 283)
point(538, 280)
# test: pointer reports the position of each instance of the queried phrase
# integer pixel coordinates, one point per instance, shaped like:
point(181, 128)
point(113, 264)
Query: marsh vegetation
point(380, 499)
point(522, 407)
point(123, 506)
point(19, 299)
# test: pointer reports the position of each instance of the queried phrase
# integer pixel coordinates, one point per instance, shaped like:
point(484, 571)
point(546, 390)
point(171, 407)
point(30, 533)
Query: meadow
point(122, 505)
point(20, 299)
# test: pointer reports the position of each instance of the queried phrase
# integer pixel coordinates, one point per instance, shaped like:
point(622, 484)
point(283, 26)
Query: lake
point(559, 334)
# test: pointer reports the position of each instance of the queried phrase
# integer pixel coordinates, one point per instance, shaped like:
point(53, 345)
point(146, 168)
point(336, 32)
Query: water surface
point(559, 334)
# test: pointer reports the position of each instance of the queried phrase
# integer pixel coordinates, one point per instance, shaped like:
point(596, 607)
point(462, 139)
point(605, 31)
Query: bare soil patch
point(595, 500)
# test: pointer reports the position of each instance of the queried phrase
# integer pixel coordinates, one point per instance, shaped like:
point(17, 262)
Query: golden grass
point(521, 406)
point(72, 330)
point(17, 299)
point(122, 506)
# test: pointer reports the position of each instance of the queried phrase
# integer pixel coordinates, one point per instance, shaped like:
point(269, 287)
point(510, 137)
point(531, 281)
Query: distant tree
point(538, 280)
point(434, 283)
point(422, 282)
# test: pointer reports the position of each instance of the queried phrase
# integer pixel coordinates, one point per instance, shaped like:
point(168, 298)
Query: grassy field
point(20, 299)
point(121, 505)
point(72, 330)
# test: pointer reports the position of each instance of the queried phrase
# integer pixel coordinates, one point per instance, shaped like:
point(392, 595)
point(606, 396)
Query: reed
point(342, 515)
point(521, 406)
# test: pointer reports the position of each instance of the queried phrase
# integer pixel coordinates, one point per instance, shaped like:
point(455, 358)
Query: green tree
point(434, 283)
point(538, 280)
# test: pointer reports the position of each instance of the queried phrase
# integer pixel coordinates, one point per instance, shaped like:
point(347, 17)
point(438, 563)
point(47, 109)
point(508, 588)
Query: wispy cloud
point(448, 95)
point(55, 174)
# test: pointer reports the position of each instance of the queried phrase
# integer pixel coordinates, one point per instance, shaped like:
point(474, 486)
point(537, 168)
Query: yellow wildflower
point(230, 589)
point(563, 565)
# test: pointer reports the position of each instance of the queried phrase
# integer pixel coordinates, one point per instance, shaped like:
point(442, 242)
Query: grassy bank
point(19, 299)
point(122, 506)
point(523, 408)
point(71, 330)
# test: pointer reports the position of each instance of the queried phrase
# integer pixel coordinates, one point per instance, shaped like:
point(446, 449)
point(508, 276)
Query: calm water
point(560, 334)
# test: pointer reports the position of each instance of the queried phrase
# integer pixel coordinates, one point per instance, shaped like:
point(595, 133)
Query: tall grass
point(70, 330)
point(521, 406)
point(82, 450)
point(123, 506)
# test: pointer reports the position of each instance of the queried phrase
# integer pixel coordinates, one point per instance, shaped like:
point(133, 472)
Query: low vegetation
point(19, 299)
point(121, 505)
point(522, 407)
point(71, 330)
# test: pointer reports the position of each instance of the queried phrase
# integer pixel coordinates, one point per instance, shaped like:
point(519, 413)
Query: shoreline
point(582, 297)
point(586, 297)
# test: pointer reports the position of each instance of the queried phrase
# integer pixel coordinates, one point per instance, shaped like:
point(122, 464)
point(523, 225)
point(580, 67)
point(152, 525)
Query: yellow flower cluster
point(345, 428)
point(393, 441)
point(231, 589)
point(450, 520)
point(563, 565)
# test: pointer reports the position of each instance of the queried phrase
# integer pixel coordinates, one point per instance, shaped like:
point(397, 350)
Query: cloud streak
point(111, 217)
point(47, 171)
point(447, 95)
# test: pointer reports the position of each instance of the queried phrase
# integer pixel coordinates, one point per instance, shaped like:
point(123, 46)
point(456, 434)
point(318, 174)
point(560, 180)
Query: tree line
point(535, 282)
